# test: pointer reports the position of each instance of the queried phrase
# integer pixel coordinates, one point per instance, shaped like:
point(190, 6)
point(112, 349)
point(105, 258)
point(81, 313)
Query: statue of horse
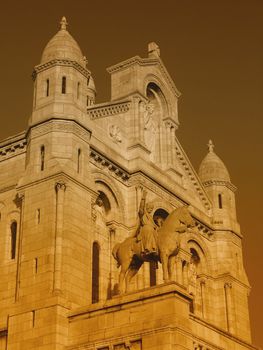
point(129, 253)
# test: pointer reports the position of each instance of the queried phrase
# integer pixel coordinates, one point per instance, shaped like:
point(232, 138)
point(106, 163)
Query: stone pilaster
point(60, 189)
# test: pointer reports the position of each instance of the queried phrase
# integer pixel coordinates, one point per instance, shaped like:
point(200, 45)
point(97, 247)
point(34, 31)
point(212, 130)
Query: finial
point(210, 146)
point(153, 50)
point(85, 61)
point(63, 23)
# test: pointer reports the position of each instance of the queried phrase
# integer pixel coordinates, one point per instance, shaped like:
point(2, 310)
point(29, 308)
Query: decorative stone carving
point(105, 111)
point(129, 253)
point(115, 133)
point(150, 126)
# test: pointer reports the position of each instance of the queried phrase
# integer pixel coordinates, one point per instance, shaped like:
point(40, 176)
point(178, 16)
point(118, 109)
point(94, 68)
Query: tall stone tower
point(84, 177)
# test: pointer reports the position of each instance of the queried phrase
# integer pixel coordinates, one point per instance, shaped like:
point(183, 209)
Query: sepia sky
point(213, 50)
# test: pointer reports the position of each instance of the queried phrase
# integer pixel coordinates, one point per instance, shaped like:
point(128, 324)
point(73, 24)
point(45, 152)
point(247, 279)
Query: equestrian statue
point(151, 242)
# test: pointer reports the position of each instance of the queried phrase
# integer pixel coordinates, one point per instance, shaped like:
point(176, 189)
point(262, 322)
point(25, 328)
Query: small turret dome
point(212, 167)
point(63, 46)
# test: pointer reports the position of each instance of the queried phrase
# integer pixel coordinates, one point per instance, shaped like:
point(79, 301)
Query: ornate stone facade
point(70, 190)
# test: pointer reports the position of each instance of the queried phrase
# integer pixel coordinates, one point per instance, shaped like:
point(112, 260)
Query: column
point(173, 145)
point(202, 291)
point(60, 188)
point(19, 201)
point(168, 143)
point(179, 272)
point(229, 307)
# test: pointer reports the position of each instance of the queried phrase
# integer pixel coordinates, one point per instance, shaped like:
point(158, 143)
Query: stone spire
point(63, 23)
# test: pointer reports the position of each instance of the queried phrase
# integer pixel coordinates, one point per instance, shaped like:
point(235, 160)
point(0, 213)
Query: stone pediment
point(145, 62)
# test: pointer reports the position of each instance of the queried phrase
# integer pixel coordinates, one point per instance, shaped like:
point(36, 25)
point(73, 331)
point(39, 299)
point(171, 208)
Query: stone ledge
point(122, 302)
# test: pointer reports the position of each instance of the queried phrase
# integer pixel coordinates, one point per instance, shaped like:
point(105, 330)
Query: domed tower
point(61, 80)
point(215, 178)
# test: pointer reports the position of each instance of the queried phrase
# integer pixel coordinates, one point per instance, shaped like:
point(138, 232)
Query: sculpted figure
point(147, 232)
point(130, 254)
point(150, 127)
point(99, 211)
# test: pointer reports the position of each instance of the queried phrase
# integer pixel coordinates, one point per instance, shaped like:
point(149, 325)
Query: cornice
point(12, 149)
point(192, 176)
point(103, 162)
point(60, 62)
point(220, 183)
point(96, 112)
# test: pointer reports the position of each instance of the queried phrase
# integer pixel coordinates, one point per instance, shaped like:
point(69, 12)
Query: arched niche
point(158, 101)
point(111, 198)
point(199, 257)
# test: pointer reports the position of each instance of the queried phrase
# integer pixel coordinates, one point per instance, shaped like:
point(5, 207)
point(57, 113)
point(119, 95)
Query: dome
point(63, 46)
point(212, 167)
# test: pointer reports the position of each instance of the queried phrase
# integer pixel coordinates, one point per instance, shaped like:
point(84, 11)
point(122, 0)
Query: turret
point(215, 178)
point(61, 80)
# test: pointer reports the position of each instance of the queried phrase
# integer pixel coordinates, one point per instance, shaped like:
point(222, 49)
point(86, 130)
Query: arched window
point(95, 272)
point(13, 229)
point(64, 85)
point(42, 157)
point(78, 90)
point(47, 87)
point(220, 201)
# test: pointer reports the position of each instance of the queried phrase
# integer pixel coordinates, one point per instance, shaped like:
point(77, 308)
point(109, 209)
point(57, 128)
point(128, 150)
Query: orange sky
point(213, 50)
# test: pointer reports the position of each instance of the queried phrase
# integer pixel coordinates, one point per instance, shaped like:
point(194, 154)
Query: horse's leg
point(164, 261)
point(131, 273)
point(124, 268)
point(171, 268)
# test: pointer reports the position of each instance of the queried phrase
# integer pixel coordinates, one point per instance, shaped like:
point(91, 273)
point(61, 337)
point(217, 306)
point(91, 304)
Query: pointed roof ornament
point(210, 146)
point(63, 23)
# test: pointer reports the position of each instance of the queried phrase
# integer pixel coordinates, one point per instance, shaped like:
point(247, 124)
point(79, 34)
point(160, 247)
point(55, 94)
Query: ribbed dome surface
point(62, 46)
point(212, 167)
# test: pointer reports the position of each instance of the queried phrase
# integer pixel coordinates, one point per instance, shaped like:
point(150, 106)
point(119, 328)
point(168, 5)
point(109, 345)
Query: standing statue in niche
point(99, 212)
point(150, 127)
point(130, 254)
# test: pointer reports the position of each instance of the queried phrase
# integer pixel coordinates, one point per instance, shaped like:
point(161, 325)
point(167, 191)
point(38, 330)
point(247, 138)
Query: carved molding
point(140, 180)
point(60, 125)
point(220, 183)
point(13, 149)
point(103, 162)
point(192, 178)
point(60, 186)
point(60, 62)
point(106, 111)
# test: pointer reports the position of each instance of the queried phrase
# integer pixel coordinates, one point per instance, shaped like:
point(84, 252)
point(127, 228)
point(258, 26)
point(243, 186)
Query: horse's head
point(185, 217)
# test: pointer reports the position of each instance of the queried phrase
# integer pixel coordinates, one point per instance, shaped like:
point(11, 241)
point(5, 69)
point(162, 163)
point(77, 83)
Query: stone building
point(70, 189)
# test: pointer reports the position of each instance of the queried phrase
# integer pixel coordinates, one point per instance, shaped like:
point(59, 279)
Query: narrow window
point(33, 318)
point(95, 272)
point(42, 158)
point(79, 160)
point(47, 87)
point(220, 202)
point(64, 85)
point(38, 216)
point(153, 266)
point(13, 239)
point(87, 100)
point(36, 265)
point(78, 90)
